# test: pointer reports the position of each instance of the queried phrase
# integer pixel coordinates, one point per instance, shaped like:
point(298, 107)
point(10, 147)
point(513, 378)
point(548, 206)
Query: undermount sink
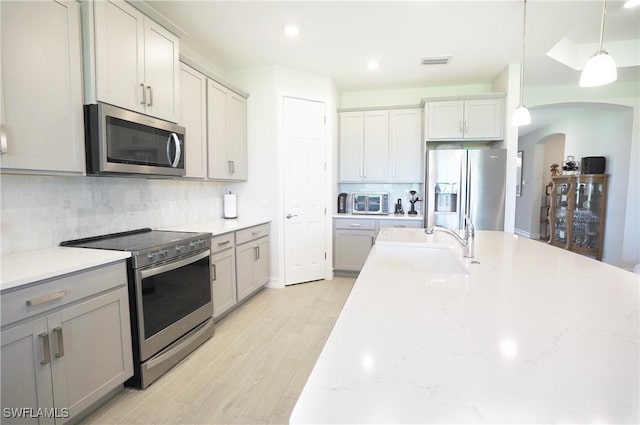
point(420, 259)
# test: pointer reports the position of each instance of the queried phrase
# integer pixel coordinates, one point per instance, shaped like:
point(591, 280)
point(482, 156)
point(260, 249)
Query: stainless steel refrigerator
point(465, 181)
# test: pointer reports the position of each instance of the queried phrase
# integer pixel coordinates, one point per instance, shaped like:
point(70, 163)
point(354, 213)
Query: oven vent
point(436, 60)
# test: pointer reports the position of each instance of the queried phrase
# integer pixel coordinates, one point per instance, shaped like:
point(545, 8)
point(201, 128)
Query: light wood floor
point(252, 370)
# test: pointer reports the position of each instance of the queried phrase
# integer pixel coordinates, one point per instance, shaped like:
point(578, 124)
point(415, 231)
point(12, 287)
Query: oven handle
point(173, 265)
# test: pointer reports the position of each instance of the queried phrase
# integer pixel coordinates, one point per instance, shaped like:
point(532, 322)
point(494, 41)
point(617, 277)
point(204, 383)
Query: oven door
point(374, 204)
point(172, 299)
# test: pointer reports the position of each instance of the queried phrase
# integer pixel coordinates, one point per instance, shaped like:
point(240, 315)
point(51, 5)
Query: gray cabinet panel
point(351, 248)
point(223, 276)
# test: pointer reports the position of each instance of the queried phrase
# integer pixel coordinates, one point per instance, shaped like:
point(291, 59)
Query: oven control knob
point(193, 244)
point(164, 253)
point(180, 249)
point(203, 243)
point(153, 256)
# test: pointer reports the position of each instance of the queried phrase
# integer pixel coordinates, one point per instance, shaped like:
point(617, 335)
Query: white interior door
point(304, 177)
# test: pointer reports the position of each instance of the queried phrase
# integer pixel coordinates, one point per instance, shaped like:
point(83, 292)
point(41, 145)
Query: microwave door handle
point(176, 142)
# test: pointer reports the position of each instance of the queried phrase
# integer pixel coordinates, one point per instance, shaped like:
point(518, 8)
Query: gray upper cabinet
point(381, 146)
point(405, 146)
point(193, 116)
point(470, 119)
point(227, 133)
point(136, 60)
point(42, 119)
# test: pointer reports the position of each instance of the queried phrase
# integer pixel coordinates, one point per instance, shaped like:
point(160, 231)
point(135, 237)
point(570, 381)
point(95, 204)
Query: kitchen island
point(522, 333)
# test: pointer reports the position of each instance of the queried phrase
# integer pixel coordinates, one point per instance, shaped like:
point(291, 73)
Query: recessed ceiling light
point(372, 64)
point(291, 31)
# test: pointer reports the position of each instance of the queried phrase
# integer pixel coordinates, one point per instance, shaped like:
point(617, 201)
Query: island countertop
point(532, 334)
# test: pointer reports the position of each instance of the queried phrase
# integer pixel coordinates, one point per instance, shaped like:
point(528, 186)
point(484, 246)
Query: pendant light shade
point(521, 116)
point(600, 69)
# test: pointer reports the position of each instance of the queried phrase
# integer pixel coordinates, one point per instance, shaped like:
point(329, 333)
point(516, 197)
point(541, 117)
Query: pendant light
point(521, 116)
point(600, 69)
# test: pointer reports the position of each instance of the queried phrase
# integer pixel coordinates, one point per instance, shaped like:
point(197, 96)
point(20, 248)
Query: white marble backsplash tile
point(41, 211)
point(396, 191)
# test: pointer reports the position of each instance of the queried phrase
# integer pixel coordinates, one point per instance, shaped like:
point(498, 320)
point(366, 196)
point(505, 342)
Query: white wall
point(538, 155)
point(407, 96)
point(594, 129)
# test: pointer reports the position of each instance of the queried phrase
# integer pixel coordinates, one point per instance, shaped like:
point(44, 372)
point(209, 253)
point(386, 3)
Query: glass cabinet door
point(586, 215)
point(561, 206)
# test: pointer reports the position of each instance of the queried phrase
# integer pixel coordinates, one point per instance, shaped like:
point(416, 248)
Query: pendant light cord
point(524, 34)
point(604, 11)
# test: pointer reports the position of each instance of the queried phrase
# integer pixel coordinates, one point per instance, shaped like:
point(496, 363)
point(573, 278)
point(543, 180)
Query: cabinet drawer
point(355, 223)
point(399, 223)
point(60, 291)
point(252, 233)
point(222, 242)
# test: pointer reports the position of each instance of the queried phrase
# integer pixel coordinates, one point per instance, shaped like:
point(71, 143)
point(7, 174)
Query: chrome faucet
point(468, 242)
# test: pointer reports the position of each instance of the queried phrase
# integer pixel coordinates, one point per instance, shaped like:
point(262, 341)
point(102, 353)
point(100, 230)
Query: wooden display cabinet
point(577, 213)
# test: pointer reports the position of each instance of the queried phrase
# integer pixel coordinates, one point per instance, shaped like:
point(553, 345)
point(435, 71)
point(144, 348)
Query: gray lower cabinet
point(63, 352)
point(354, 237)
point(223, 274)
point(253, 262)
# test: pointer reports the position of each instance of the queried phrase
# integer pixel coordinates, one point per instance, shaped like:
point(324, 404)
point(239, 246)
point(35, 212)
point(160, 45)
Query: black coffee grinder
point(412, 201)
point(399, 209)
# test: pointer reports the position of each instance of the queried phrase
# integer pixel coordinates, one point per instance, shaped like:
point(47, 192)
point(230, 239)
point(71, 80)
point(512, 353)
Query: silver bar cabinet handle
point(46, 354)
point(229, 167)
point(144, 95)
point(215, 276)
point(233, 167)
point(46, 298)
point(59, 342)
point(3, 139)
point(150, 103)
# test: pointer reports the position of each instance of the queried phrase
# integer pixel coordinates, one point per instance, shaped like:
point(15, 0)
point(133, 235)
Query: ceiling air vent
point(436, 60)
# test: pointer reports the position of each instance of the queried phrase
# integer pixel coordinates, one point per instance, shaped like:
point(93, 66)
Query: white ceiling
point(338, 38)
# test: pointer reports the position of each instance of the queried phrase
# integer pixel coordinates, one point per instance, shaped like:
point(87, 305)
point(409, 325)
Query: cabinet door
point(351, 146)
point(161, 71)
point(405, 146)
point(119, 38)
point(42, 86)
point(26, 382)
point(376, 146)
point(351, 248)
point(246, 255)
point(262, 265)
point(237, 141)
point(223, 278)
point(193, 116)
point(219, 166)
point(91, 350)
point(483, 119)
point(445, 120)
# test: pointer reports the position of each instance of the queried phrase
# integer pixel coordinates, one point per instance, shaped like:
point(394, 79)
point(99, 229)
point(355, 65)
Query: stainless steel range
point(170, 295)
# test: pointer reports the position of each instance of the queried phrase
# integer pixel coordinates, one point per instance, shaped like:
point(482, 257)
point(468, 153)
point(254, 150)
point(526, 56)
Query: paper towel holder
point(230, 210)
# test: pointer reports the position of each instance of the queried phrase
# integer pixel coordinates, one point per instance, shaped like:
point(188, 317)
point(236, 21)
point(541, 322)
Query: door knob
point(291, 215)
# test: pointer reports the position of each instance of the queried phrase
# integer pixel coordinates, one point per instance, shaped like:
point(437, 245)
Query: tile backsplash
point(41, 211)
point(396, 191)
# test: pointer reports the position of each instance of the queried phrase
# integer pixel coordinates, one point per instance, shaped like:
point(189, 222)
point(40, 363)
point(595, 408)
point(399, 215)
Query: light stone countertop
point(391, 216)
point(532, 334)
point(28, 267)
point(221, 226)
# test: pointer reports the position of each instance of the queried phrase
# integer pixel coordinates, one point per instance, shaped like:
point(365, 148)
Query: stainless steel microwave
point(370, 202)
point(119, 141)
